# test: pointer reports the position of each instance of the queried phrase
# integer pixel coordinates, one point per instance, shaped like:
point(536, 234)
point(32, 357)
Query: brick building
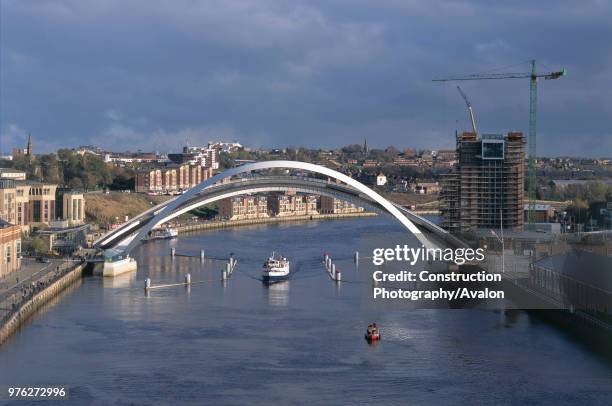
point(292, 204)
point(171, 178)
point(243, 207)
point(10, 248)
point(330, 205)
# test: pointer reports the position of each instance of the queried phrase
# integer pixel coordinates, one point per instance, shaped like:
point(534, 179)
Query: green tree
point(50, 169)
point(36, 245)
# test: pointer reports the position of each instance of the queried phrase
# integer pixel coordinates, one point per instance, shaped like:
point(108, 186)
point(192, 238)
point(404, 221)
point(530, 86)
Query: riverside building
point(171, 178)
point(243, 208)
point(485, 188)
point(292, 204)
point(10, 248)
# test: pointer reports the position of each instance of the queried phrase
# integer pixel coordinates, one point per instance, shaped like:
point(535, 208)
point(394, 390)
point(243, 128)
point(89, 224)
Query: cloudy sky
point(129, 74)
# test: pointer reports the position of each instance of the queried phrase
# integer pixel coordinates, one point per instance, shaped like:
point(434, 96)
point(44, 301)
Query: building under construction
point(485, 189)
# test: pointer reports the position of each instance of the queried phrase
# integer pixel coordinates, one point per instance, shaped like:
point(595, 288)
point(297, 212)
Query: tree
point(88, 171)
point(36, 245)
point(50, 169)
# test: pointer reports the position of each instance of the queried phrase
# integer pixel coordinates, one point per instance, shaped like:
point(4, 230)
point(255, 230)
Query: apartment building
point(170, 178)
point(485, 188)
point(292, 204)
point(207, 157)
point(243, 207)
point(330, 205)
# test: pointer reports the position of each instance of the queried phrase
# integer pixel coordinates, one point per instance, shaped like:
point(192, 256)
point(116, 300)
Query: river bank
point(110, 341)
point(24, 303)
point(197, 226)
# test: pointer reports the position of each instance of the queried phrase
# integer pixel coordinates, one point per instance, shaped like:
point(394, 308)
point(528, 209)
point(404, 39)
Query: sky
point(156, 75)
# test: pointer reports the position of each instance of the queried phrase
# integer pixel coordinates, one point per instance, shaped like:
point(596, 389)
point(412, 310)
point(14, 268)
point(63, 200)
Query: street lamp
point(501, 240)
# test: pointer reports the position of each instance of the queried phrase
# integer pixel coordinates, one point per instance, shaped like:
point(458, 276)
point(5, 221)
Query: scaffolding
point(485, 192)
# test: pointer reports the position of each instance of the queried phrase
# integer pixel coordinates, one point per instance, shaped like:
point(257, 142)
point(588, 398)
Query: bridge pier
point(118, 264)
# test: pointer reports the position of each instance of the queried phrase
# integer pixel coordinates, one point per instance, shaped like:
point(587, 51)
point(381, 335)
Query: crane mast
point(533, 76)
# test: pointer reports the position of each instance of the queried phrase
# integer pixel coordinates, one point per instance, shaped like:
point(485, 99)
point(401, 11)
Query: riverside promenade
point(182, 227)
point(34, 284)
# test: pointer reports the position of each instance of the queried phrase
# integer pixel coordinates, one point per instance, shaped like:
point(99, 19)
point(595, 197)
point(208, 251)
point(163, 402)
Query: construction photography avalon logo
point(305, 202)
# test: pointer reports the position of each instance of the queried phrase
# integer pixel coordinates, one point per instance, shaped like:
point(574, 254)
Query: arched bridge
point(222, 186)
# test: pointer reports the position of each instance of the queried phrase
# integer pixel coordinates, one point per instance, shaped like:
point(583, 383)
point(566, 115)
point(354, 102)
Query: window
point(36, 211)
point(8, 257)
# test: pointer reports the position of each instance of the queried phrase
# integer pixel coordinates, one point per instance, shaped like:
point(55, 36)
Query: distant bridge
point(130, 234)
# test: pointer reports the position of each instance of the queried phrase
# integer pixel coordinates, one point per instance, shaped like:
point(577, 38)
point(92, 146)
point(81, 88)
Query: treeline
point(87, 172)
point(588, 192)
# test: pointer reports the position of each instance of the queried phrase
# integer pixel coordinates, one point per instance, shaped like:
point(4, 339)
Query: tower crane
point(533, 77)
point(470, 110)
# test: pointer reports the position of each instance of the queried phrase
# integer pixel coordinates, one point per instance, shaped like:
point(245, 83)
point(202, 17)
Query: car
point(43, 260)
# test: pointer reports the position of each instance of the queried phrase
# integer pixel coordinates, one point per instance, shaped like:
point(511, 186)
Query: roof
point(61, 230)
point(5, 224)
point(590, 269)
point(10, 170)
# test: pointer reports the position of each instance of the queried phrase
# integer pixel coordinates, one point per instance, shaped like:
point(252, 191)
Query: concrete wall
point(28, 308)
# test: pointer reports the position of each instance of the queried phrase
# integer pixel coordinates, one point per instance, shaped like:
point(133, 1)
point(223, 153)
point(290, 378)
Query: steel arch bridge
point(127, 237)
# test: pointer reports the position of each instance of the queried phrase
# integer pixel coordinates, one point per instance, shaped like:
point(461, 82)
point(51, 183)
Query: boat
point(276, 268)
point(162, 233)
point(372, 333)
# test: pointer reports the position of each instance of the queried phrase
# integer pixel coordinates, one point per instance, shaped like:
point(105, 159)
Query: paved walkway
point(31, 276)
point(30, 269)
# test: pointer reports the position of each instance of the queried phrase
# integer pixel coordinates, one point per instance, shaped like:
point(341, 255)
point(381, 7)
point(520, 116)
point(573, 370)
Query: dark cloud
point(153, 74)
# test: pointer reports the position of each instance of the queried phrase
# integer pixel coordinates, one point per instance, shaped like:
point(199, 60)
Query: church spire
point(365, 146)
point(29, 146)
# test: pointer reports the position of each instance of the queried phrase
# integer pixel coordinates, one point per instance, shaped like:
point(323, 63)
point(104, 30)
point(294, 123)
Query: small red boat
point(372, 333)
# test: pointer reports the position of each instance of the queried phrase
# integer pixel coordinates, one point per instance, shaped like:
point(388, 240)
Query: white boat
point(276, 268)
point(162, 233)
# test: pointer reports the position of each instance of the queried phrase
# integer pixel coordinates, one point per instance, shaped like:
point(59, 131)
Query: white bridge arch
point(168, 212)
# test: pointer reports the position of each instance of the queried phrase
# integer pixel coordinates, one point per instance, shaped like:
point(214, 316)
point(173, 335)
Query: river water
point(298, 342)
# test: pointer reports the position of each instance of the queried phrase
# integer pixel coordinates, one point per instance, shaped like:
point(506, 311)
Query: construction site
point(485, 188)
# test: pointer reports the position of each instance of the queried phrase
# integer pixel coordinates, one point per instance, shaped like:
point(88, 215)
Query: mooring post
point(338, 275)
point(201, 255)
point(172, 252)
point(147, 283)
point(224, 275)
point(333, 270)
point(188, 279)
point(356, 257)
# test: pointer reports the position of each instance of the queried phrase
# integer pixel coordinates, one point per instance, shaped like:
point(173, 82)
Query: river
point(299, 341)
